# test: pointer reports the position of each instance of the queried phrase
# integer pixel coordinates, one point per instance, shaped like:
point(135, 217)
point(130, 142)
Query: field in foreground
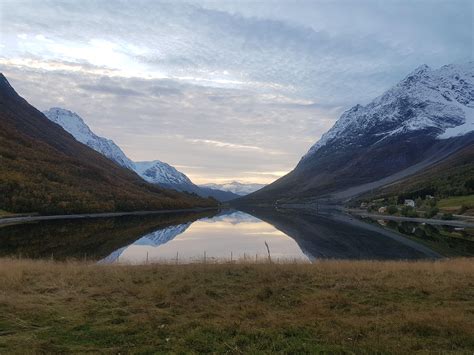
point(398, 307)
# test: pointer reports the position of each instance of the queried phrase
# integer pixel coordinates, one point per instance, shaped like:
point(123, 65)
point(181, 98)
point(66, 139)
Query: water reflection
point(231, 236)
point(93, 238)
point(188, 237)
point(332, 234)
point(446, 240)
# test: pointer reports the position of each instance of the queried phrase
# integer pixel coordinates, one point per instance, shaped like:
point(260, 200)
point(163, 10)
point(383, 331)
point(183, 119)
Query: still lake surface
point(291, 235)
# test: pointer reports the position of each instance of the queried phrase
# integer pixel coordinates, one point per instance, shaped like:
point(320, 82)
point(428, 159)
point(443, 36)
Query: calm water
point(211, 236)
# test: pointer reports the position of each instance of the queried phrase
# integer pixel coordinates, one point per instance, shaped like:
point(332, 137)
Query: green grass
point(457, 202)
point(354, 307)
point(4, 213)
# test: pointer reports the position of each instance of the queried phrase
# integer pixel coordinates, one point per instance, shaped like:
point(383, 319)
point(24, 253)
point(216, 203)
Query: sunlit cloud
point(225, 144)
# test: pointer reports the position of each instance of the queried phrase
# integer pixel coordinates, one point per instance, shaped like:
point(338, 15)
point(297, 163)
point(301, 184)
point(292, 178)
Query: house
point(429, 197)
point(363, 205)
point(383, 209)
point(409, 203)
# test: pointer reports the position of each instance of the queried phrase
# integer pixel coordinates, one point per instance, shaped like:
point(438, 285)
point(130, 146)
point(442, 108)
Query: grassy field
point(394, 307)
point(455, 203)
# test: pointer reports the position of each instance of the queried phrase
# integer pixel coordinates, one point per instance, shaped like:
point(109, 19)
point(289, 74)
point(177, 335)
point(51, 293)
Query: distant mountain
point(45, 169)
point(422, 120)
point(235, 187)
point(155, 172)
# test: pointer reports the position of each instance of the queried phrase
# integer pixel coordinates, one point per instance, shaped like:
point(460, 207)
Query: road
point(25, 219)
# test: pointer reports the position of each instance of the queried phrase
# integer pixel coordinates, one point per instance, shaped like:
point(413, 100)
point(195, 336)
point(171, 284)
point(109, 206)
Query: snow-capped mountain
point(155, 172)
point(424, 119)
point(235, 187)
point(75, 125)
point(440, 100)
point(158, 172)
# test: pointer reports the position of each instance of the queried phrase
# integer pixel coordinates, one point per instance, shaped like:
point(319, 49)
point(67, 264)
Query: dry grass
point(395, 307)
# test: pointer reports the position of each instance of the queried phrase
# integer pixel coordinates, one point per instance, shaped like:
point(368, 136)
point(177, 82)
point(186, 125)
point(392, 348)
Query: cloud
point(108, 89)
point(219, 86)
point(225, 144)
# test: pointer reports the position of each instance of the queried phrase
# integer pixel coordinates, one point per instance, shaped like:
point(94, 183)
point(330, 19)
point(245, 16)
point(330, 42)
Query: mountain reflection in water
point(232, 235)
point(215, 236)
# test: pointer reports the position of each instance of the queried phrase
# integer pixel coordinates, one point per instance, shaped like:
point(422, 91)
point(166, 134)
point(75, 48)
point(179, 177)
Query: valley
point(201, 227)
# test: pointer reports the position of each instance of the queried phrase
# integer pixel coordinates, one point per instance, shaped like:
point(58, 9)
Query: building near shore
point(409, 203)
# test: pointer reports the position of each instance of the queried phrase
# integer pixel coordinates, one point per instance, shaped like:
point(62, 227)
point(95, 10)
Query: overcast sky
point(222, 90)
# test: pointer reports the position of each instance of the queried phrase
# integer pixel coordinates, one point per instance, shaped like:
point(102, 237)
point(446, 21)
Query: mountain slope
point(74, 124)
point(44, 169)
point(422, 120)
point(453, 176)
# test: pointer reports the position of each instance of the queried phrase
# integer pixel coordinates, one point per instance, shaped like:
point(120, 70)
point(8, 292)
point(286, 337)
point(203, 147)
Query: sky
point(222, 90)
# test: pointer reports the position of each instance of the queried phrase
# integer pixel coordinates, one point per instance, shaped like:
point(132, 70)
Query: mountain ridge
point(426, 116)
point(45, 169)
point(154, 172)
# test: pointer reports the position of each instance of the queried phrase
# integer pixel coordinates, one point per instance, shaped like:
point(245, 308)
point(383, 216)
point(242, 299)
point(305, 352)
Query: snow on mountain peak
point(155, 172)
point(75, 125)
point(158, 172)
point(440, 101)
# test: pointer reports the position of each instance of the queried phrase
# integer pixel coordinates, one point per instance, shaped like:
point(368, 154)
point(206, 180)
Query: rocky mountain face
point(235, 187)
point(75, 125)
point(155, 172)
point(422, 120)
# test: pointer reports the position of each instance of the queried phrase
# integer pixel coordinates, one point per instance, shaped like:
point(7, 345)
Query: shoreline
point(446, 222)
point(26, 219)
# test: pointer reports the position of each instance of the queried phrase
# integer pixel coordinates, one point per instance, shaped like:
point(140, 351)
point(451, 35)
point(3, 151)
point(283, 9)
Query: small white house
point(383, 209)
point(409, 203)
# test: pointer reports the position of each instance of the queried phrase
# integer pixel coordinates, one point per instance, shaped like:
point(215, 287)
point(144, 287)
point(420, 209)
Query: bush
point(431, 212)
point(447, 216)
point(408, 211)
point(469, 184)
point(392, 209)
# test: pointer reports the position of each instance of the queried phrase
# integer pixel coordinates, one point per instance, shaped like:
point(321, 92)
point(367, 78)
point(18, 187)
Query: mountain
point(235, 187)
point(45, 169)
point(165, 175)
point(155, 172)
point(419, 122)
point(75, 125)
point(161, 173)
